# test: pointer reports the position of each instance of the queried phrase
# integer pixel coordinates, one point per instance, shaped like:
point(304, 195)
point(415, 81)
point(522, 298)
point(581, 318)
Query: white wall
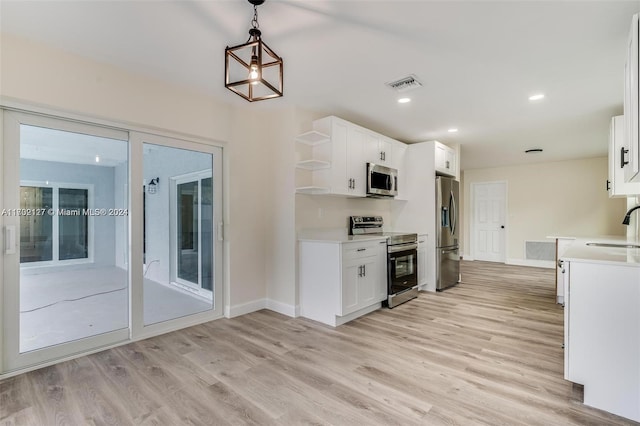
point(566, 198)
point(36, 74)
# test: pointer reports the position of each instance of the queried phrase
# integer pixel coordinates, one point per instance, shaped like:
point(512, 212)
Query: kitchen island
point(602, 322)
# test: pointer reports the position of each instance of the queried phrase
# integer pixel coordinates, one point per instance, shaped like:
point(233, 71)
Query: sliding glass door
point(107, 236)
point(183, 214)
point(64, 217)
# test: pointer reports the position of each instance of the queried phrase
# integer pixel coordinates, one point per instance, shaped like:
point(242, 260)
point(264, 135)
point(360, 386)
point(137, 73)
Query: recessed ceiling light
point(536, 97)
point(533, 151)
point(452, 130)
point(404, 100)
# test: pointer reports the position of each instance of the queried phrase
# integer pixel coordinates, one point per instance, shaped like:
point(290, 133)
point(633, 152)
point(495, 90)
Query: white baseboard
point(283, 308)
point(550, 264)
point(244, 308)
point(256, 305)
point(467, 257)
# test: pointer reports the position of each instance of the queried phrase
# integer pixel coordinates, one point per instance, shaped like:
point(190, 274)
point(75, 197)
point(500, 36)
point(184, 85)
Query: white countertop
point(335, 236)
point(579, 251)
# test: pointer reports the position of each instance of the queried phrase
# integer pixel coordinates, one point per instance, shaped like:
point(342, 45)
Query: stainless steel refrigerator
point(447, 250)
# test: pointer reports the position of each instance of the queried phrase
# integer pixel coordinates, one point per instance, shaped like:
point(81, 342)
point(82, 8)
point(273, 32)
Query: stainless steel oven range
point(402, 258)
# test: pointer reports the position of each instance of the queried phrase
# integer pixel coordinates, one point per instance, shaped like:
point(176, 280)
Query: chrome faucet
point(627, 217)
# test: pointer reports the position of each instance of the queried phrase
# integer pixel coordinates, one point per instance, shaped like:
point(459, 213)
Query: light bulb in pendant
point(254, 75)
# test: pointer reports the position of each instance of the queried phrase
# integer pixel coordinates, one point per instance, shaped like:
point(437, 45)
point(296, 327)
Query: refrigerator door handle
point(452, 214)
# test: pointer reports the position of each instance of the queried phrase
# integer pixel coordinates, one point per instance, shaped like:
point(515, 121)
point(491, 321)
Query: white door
point(488, 225)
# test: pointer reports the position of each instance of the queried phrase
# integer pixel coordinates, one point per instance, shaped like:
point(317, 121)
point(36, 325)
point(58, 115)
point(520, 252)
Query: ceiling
point(478, 62)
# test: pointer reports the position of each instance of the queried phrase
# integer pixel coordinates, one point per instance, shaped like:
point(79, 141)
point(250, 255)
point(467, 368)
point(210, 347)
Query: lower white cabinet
point(340, 281)
point(561, 246)
point(602, 334)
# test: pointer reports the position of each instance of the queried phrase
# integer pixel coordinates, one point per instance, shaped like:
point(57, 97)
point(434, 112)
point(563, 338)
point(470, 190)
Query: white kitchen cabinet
point(340, 281)
point(338, 166)
point(339, 153)
point(422, 260)
point(446, 159)
point(378, 149)
point(602, 334)
point(562, 243)
point(632, 105)
point(618, 150)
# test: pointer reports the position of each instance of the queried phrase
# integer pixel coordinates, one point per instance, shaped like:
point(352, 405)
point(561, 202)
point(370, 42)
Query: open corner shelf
point(313, 190)
point(313, 138)
point(313, 165)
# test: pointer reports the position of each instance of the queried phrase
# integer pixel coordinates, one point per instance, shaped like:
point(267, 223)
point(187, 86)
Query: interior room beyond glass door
point(65, 220)
point(182, 193)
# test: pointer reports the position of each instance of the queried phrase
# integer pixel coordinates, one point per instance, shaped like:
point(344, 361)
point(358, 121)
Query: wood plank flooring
point(488, 351)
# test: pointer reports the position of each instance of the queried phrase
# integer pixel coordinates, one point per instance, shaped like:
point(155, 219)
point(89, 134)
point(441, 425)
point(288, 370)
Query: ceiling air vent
point(405, 84)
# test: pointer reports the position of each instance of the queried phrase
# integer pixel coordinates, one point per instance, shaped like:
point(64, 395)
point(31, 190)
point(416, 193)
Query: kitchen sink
point(621, 245)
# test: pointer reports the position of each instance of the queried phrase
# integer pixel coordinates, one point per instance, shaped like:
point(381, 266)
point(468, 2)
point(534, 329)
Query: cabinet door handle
point(608, 185)
point(364, 270)
point(623, 152)
point(447, 164)
point(361, 249)
point(381, 155)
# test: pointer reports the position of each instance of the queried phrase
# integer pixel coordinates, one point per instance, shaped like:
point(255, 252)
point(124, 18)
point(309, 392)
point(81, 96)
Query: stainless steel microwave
point(382, 181)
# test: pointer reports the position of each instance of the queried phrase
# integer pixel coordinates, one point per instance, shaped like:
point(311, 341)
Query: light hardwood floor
point(487, 351)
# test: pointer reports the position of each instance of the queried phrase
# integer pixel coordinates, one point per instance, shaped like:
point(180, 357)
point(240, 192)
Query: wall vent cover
point(540, 250)
point(405, 84)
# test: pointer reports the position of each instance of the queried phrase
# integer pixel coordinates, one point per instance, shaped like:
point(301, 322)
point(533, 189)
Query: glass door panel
point(179, 264)
point(73, 230)
point(207, 234)
point(188, 232)
point(36, 244)
point(66, 282)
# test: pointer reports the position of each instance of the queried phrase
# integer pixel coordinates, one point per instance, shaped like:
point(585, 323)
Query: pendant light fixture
point(253, 70)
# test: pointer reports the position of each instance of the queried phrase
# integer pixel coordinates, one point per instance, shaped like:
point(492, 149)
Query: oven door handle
point(451, 250)
point(402, 247)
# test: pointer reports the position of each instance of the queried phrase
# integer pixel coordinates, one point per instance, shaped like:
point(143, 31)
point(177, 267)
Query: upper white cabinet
point(338, 156)
point(337, 162)
point(446, 159)
point(618, 152)
point(378, 149)
point(632, 106)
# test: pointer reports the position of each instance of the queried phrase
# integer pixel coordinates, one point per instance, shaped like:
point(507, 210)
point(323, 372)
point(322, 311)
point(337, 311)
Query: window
point(55, 223)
